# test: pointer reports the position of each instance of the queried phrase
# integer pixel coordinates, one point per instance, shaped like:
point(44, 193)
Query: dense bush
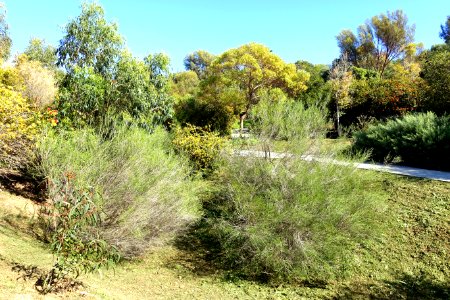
point(381, 98)
point(421, 140)
point(142, 190)
point(200, 113)
point(39, 82)
point(19, 125)
point(289, 219)
point(202, 146)
point(286, 120)
point(436, 73)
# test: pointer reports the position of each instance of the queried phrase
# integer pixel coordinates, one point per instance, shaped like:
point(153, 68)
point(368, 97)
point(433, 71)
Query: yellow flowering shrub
point(201, 145)
point(10, 77)
point(19, 125)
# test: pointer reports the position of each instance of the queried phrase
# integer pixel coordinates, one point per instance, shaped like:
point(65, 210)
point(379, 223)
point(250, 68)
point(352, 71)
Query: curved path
point(400, 170)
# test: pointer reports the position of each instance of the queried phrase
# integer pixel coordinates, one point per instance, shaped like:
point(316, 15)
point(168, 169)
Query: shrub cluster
point(202, 146)
point(214, 115)
point(289, 219)
point(421, 140)
point(19, 125)
point(145, 192)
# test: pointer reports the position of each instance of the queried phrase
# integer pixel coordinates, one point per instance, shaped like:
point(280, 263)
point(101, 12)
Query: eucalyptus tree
point(5, 40)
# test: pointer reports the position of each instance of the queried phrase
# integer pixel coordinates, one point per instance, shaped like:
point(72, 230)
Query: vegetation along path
point(400, 170)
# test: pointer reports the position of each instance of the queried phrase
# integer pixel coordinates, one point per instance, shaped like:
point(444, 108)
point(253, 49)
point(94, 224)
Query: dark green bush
point(421, 140)
point(213, 115)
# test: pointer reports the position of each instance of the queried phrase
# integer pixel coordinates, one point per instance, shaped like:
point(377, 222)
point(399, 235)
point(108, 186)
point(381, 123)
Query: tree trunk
point(242, 117)
point(338, 121)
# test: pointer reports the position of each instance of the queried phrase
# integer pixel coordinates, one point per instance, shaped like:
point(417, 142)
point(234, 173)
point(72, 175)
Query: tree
point(445, 31)
point(38, 50)
point(5, 40)
point(239, 75)
point(341, 79)
point(436, 72)
point(379, 41)
point(317, 92)
point(90, 41)
point(134, 94)
point(198, 61)
point(158, 66)
point(184, 85)
point(81, 99)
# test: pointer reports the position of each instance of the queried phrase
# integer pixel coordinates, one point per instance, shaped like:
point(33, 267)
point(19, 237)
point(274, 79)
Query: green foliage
point(5, 40)
point(184, 85)
point(436, 73)
point(212, 114)
point(361, 73)
point(158, 66)
point(104, 83)
point(445, 31)
point(38, 50)
point(202, 146)
point(132, 96)
point(237, 76)
point(90, 41)
point(379, 41)
point(142, 191)
point(81, 99)
point(288, 219)
point(421, 140)
point(297, 120)
point(317, 92)
point(68, 223)
point(140, 89)
point(199, 62)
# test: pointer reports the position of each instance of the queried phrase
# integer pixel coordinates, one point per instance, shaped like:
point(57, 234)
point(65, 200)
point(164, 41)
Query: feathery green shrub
point(421, 140)
point(144, 191)
point(288, 219)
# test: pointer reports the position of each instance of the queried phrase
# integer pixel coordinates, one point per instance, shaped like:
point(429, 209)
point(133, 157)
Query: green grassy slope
point(411, 261)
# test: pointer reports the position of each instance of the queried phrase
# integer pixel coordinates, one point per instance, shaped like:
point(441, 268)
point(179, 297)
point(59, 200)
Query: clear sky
point(292, 29)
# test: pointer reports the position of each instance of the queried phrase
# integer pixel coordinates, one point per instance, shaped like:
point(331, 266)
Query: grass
point(410, 262)
point(338, 146)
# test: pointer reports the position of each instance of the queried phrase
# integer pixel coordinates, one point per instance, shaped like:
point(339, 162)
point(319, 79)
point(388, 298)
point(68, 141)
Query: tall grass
point(145, 192)
point(289, 219)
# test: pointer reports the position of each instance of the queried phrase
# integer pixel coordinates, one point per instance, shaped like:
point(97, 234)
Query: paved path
point(400, 170)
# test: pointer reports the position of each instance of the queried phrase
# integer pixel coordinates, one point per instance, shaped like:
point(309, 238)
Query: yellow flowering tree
point(239, 75)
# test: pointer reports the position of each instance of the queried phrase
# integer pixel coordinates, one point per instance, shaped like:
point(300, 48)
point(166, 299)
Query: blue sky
point(294, 30)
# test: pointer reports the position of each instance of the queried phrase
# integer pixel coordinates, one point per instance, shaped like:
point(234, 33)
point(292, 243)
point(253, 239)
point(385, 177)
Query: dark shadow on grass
point(203, 257)
point(201, 252)
point(420, 287)
point(21, 185)
point(405, 287)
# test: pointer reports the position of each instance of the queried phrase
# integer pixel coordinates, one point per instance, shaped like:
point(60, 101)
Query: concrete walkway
point(400, 170)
